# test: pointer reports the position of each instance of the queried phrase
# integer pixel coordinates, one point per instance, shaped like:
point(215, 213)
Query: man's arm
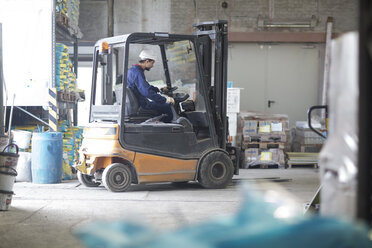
point(156, 89)
point(148, 91)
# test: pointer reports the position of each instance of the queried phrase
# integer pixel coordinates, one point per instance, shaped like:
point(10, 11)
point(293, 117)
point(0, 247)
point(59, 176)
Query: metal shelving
point(62, 34)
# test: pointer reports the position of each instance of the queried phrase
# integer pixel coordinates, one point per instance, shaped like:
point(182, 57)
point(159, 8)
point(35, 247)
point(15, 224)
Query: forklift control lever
point(169, 90)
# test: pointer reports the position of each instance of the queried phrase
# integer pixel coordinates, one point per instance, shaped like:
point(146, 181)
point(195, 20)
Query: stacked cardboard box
point(306, 140)
point(264, 138)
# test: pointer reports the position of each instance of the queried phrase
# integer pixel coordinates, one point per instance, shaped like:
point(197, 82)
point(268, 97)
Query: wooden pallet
point(65, 96)
point(259, 165)
point(302, 164)
point(264, 145)
point(272, 137)
point(302, 159)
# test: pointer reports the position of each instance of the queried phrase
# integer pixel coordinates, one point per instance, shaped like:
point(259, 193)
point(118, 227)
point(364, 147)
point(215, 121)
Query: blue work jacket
point(136, 81)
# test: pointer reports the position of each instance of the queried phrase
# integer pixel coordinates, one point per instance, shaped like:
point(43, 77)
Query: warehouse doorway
point(277, 78)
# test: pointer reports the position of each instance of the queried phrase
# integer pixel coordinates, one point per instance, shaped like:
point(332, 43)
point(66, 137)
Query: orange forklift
point(125, 144)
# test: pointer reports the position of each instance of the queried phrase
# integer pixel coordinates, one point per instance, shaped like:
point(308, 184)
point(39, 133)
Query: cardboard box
point(307, 137)
point(264, 126)
point(276, 126)
point(266, 156)
point(251, 155)
point(250, 128)
point(278, 156)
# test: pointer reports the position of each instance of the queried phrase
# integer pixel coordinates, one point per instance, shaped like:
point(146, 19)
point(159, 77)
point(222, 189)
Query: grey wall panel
point(93, 20)
point(177, 16)
point(285, 73)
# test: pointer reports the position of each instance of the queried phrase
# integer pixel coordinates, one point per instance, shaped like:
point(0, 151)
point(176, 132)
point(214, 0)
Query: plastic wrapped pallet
point(250, 155)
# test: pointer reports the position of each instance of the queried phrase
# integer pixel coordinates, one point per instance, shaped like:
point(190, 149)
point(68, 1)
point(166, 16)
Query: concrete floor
point(46, 215)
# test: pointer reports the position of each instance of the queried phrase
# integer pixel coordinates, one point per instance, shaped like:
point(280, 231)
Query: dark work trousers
point(162, 108)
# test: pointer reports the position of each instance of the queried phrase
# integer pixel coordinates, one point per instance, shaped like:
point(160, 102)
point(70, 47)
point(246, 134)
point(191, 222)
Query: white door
point(292, 80)
point(287, 75)
point(247, 69)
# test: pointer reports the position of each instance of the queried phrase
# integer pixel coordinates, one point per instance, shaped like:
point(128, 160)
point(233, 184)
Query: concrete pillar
point(1, 83)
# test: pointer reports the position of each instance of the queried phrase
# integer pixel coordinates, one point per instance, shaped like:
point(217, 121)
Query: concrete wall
point(93, 20)
point(177, 16)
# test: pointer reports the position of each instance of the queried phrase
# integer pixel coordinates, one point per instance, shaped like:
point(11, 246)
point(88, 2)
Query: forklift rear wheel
point(215, 170)
point(117, 177)
point(87, 180)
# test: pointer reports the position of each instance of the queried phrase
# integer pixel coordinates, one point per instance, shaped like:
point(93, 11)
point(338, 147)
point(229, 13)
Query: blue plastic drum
point(46, 162)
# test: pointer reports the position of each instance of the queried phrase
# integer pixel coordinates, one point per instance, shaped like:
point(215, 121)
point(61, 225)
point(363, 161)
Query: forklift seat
point(133, 111)
point(136, 114)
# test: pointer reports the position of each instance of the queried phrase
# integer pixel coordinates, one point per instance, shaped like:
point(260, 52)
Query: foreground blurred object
point(267, 218)
point(338, 158)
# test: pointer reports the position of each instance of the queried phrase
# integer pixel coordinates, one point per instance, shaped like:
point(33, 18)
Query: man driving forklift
point(123, 145)
point(143, 91)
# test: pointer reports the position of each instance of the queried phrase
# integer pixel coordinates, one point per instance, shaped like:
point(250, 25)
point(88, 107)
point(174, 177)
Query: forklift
point(125, 144)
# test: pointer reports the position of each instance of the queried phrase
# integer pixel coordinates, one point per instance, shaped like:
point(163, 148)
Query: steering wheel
point(180, 97)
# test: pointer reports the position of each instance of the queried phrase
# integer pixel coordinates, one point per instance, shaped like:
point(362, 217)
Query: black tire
point(117, 177)
point(87, 180)
point(215, 170)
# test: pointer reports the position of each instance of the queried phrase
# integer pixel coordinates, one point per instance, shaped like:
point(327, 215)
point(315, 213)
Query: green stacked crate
point(78, 131)
point(63, 126)
point(65, 77)
point(72, 137)
point(71, 77)
point(61, 66)
point(74, 16)
point(61, 6)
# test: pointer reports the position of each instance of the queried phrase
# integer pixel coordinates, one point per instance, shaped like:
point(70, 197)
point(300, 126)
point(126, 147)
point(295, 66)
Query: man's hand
point(169, 100)
point(164, 89)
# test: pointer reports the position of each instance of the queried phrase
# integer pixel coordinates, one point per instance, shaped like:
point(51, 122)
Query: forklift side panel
point(154, 140)
point(152, 168)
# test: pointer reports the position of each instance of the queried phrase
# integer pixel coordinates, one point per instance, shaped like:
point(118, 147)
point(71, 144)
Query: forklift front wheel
point(215, 170)
point(117, 177)
point(86, 180)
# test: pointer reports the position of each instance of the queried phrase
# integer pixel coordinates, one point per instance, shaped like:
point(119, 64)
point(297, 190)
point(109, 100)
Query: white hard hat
point(147, 54)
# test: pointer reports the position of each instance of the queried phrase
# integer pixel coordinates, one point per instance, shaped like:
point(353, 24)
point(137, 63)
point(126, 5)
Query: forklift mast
point(217, 89)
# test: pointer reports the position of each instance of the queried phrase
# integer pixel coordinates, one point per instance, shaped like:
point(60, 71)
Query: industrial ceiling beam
point(285, 37)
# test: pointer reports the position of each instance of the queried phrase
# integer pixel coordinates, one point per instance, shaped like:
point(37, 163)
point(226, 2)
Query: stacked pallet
point(67, 14)
point(264, 139)
point(73, 14)
point(306, 140)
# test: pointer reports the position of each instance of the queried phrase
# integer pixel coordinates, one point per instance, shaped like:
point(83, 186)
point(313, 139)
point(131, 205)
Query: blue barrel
point(46, 162)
